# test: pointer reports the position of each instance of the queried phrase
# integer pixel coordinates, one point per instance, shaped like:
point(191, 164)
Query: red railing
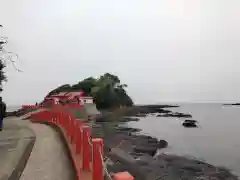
point(86, 152)
point(24, 107)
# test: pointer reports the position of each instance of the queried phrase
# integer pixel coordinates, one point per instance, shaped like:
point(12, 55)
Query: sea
point(13, 108)
point(216, 140)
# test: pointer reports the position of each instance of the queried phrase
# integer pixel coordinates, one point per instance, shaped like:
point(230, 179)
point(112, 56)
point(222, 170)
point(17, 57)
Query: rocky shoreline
point(128, 150)
point(140, 111)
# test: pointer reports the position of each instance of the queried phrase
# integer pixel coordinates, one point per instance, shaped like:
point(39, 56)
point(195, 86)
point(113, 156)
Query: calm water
point(13, 108)
point(217, 141)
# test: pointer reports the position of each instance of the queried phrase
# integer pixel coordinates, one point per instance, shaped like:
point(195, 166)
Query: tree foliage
point(2, 65)
point(107, 91)
point(62, 88)
point(5, 57)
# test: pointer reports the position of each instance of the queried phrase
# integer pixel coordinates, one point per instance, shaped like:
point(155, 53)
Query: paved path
point(16, 142)
point(48, 160)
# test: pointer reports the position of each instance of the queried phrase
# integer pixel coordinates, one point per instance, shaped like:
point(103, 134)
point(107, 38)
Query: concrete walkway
point(32, 152)
point(48, 160)
point(16, 142)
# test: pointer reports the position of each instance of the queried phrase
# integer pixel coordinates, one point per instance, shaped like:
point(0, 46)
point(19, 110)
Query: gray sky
point(165, 50)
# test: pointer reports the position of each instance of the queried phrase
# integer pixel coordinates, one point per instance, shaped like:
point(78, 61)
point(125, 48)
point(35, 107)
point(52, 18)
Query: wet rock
point(128, 119)
point(175, 114)
point(143, 137)
point(141, 115)
point(190, 169)
point(234, 104)
point(144, 159)
point(136, 155)
point(127, 129)
point(162, 144)
point(189, 123)
point(118, 154)
point(148, 150)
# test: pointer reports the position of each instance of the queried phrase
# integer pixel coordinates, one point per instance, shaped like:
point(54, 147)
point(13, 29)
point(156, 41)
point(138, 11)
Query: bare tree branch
point(8, 56)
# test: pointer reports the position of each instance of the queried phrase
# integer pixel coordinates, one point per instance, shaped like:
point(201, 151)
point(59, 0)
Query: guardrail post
point(51, 116)
point(73, 131)
point(98, 168)
point(86, 155)
point(55, 117)
point(60, 118)
point(44, 116)
point(64, 122)
point(69, 126)
point(78, 137)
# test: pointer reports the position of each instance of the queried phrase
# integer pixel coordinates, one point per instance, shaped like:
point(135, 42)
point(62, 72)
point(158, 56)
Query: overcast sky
point(165, 50)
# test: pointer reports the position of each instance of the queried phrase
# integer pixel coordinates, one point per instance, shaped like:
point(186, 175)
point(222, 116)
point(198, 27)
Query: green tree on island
point(107, 91)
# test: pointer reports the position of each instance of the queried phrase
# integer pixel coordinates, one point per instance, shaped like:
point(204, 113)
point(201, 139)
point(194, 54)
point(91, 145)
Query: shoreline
point(234, 104)
point(137, 153)
point(129, 150)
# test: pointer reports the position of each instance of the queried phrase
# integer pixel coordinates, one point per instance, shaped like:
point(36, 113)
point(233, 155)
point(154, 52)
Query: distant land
point(234, 104)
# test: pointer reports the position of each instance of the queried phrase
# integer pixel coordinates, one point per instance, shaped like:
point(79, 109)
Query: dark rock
point(189, 169)
point(128, 119)
point(189, 123)
point(144, 159)
point(148, 150)
point(192, 167)
point(117, 154)
point(234, 104)
point(136, 155)
point(175, 114)
point(140, 136)
point(162, 111)
point(128, 129)
point(162, 144)
point(140, 115)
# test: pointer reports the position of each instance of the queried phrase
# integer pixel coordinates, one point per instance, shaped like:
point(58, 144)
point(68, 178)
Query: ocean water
point(13, 108)
point(216, 141)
